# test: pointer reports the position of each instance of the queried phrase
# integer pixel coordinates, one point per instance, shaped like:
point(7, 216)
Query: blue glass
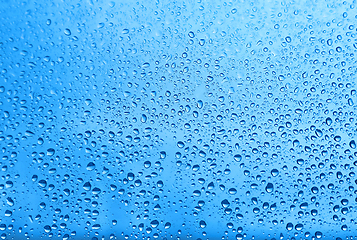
point(178, 120)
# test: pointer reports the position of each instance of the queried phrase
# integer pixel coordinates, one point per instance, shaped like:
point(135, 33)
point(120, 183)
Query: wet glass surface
point(177, 120)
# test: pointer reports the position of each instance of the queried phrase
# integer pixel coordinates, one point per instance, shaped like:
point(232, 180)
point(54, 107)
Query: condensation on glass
point(177, 120)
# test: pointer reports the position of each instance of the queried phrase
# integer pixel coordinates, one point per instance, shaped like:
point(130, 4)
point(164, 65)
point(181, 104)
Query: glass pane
point(177, 120)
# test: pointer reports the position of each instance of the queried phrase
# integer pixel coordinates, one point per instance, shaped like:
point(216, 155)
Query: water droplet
point(154, 223)
point(274, 172)
point(87, 186)
point(167, 225)
point(269, 188)
point(191, 34)
point(90, 166)
point(96, 226)
point(67, 32)
point(143, 118)
point(50, 152)
point(42, 183)
point(203, 224)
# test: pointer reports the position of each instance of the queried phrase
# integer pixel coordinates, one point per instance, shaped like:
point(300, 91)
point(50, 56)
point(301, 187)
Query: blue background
point(177, 120)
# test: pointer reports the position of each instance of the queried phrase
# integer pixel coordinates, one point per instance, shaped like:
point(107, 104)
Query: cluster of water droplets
point(164, 120)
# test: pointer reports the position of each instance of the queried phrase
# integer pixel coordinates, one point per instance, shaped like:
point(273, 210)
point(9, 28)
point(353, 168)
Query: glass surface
point(178, 119)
